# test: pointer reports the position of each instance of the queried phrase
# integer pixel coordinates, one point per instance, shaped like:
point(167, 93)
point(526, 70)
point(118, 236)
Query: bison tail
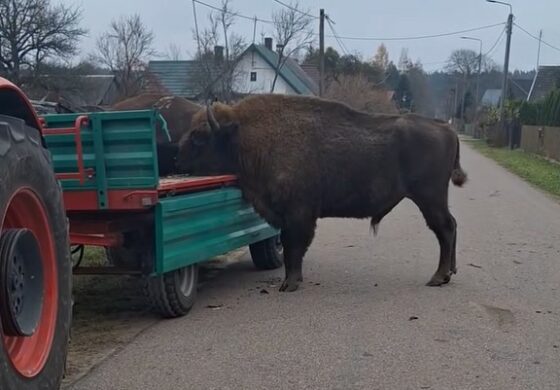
point(458, 175)
point(374, 226)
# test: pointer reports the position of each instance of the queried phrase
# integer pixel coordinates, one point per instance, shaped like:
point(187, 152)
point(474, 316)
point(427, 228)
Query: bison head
point(210, 147)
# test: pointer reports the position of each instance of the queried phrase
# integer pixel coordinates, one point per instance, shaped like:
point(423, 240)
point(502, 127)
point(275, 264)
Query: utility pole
point(539, 51)
point(196, 27)
point(505, 84)
point(477, 73)
point(456, 100)
point(254, 28)
point(506, 72)
point(321, 52)
point(463, 95)
point(477, 100)
point(509, 28)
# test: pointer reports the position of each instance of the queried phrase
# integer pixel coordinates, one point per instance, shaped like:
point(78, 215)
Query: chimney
point(268, 43)
point(218, 54)
point(279, 48)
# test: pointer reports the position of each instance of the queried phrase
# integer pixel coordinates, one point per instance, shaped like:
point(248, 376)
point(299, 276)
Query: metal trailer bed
point(160, 228)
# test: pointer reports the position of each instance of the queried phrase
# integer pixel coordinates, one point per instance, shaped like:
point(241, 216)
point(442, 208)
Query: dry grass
point(360, 94)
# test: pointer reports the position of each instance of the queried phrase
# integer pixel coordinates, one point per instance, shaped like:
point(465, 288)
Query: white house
point(253, 74)
point(255, 70)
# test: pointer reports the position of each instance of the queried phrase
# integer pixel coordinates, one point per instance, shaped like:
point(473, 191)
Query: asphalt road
point(365, 320)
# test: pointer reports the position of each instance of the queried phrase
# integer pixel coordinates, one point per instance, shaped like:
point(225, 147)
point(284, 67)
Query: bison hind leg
point(440, 220)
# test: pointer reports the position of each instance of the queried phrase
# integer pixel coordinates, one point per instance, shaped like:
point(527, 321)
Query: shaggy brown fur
point(299, 159)
point(178, 114)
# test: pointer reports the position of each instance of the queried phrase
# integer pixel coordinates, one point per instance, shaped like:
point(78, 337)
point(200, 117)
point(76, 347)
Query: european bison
point(178, 114)
point(301, 158)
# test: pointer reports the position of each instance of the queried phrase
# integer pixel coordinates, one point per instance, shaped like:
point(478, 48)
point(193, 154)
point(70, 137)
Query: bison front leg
point(296, 238)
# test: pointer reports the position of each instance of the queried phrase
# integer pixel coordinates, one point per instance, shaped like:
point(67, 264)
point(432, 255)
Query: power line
point(252, 18)
point(537, 38)
point(495, 45)
point(234, 14)
point(295, 9)
point(339, 38)
point(340, 43)
point(435, 63)
point(410, 38)
point(517, 85)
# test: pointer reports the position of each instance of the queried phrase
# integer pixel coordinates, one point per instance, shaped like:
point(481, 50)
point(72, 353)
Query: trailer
point(77, 180)
point(158, 228)
point(35, 268)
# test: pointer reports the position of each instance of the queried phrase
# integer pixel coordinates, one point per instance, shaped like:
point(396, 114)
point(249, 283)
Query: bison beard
point(299, 159)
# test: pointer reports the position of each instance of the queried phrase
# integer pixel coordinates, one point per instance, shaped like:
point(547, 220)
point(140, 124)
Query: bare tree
point(292, 32)
point(404, 60)
point(173, 52)
point(34, 31)
point(219, 70)
point(381, 58)
point(465, 62)
point(359, 93)
point(125, 50)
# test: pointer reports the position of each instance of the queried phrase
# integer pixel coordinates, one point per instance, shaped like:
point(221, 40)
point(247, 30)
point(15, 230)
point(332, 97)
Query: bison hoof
point(439, 280)
point(290, 285)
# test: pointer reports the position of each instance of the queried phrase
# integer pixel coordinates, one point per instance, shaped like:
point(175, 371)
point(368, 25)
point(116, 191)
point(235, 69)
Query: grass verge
point(534, 169)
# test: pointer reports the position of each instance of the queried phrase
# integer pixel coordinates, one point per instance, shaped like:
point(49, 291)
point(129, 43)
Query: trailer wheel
point(173, 294)
point(268, 254)
point(35, 266)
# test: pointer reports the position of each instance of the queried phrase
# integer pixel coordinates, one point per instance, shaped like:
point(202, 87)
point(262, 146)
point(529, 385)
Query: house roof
point(304, 76)
point(81, 92)
point(291, 72)
point(521, 87)
point(546, 79)
point(491, 97)
point(518, 89)
point(94, 92)
point(312, 71)
point(180, 78)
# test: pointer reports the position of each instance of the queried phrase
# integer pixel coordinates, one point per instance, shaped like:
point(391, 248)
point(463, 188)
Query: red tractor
point(35, 267)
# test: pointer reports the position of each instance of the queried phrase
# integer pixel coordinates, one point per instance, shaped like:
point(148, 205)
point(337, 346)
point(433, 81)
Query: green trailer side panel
point(119, 146)
point(197, 227)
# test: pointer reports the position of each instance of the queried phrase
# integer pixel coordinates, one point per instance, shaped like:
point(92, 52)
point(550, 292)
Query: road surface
point(365, 320)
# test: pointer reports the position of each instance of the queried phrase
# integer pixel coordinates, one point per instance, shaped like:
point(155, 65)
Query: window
point(253, 76)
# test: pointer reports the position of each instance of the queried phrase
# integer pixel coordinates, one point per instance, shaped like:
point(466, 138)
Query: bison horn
point(214, 125)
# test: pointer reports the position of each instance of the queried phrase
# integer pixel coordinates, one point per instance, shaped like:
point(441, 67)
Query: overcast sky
point(172, 22)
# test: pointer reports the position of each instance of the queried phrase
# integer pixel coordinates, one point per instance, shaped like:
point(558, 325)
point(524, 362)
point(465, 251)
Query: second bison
point(178, 114)
point(300, 158)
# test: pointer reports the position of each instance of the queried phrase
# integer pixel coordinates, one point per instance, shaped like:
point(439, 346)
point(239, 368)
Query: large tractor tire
point(35, 265)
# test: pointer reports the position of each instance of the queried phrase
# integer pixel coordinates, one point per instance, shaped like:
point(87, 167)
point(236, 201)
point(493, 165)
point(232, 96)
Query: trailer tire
point(31, 201)
point(173, 294)
point(267, 254)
